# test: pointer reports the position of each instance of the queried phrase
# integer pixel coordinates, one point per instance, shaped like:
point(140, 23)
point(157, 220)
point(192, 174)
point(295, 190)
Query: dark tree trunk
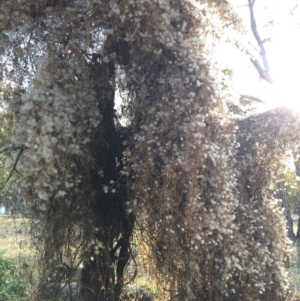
point(287, 211)
point(298, 228)
point(103, 275)
point(98, 280)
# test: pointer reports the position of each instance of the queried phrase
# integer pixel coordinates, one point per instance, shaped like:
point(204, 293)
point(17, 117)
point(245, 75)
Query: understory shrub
point(12, 283)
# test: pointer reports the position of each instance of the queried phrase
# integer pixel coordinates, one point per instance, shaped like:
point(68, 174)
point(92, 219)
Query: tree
point(194, 178)
point(9, 189)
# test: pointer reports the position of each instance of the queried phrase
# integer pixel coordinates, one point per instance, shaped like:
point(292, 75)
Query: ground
point(15, 243)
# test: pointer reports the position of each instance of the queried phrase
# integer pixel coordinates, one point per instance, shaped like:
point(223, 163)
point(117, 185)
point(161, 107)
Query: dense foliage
point(9, 195)
point(13, 285)
point(190, 170)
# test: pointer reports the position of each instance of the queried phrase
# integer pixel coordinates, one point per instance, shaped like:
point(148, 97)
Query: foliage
point(291, 187)
point(12, 284)
point(190, 171)
point(9, 195)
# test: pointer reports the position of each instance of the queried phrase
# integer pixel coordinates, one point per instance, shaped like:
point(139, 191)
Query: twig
point(250, 97)
point(263, 72)
point(134, 33)
point(15, 164)
point(231, 23)
point(12, 148)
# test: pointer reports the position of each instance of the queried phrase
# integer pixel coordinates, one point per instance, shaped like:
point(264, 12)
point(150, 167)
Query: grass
point(15, 245)
point(13, 282)
point(15, 238)
point(16, 258)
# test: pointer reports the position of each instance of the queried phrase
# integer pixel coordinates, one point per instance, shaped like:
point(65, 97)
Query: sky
point(274, 21)
point(279, 21)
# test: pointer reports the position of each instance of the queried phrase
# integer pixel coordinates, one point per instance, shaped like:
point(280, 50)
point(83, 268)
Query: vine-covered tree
point(189, 169)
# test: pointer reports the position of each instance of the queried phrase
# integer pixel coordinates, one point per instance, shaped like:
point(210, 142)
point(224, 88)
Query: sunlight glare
point(285, 65)
point(284, 93)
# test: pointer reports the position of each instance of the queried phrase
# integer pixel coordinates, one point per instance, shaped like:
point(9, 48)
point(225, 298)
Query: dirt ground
point(15, 237)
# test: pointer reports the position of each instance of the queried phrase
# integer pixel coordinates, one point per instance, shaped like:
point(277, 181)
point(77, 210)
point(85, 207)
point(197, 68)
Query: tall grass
point(13, 283)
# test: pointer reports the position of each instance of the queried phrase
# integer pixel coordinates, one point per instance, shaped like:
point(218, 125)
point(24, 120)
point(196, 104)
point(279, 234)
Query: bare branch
point(15, 164)
point(12, 148)
point(20, 148)
point(264, 71)
point(250, 97)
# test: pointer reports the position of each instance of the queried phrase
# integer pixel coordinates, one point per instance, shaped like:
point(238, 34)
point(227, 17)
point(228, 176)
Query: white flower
point(105, 188)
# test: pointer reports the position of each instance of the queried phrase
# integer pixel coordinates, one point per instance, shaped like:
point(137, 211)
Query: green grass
point(13, 282)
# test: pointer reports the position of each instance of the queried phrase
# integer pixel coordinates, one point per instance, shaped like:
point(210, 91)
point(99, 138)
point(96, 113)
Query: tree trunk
point(298, 228)
point(102, 277)
point(98, 281)
point(288, 216)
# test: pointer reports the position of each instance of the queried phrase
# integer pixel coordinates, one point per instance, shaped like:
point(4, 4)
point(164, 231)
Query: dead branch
point(250, 97)
point(263, 71)
point(12, 148)
point(21, 148)
point(15, 164)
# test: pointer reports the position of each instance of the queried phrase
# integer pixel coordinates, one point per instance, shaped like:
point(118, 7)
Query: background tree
point(9, 194)
point(196, 179)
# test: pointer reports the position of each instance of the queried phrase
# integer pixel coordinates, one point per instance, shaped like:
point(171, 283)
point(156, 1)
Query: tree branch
point(250, 97)
point(21, 148)
point(263, 71)
point(12, 148)
point(263, 74)
point(15, 165)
